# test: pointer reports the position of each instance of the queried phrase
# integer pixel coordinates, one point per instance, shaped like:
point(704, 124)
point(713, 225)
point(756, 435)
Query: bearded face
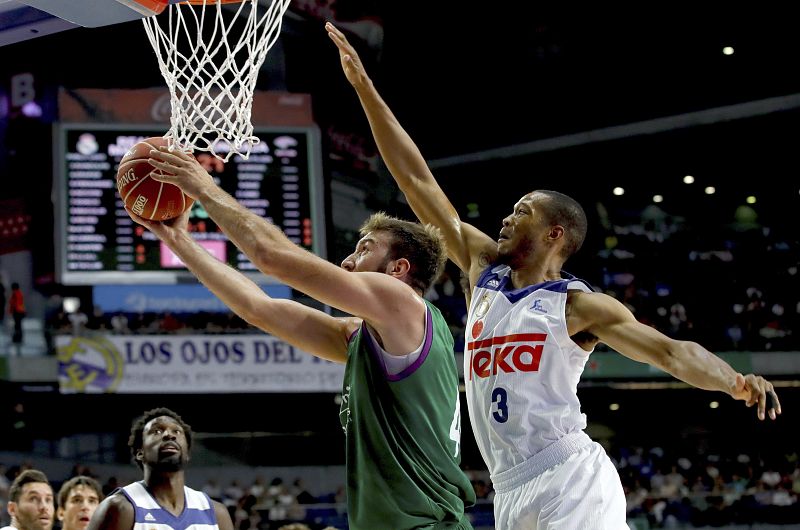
point(164, 445)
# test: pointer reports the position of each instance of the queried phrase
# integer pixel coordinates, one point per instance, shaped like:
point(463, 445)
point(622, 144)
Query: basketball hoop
point(211, 65)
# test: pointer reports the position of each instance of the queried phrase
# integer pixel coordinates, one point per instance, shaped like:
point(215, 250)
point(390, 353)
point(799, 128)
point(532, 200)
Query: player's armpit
point(613, 324)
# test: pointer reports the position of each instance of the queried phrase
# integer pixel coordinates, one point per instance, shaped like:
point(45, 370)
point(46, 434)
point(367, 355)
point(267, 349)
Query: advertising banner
point(173, 298)
point(190, 364)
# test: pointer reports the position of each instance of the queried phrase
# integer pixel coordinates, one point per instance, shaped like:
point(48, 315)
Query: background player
point(78, 499)
point(529, 334)
point(30, 502)
point(160, 443)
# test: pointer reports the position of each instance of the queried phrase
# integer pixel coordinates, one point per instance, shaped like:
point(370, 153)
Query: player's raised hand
point(167, 231)
point(351, 62)
point(182, 170)
point(755, 390)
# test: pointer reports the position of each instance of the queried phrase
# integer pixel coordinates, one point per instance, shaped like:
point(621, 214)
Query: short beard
point(516, 257)
point(503, 258)
point(171, 463)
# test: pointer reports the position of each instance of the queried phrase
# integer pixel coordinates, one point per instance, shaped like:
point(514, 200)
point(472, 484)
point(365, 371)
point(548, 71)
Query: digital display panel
point(98, 243)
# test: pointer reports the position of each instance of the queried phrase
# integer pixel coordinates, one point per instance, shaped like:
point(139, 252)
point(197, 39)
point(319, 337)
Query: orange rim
point(156, 6)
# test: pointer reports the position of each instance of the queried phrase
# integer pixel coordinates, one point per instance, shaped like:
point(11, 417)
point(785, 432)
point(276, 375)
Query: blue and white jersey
point(198, 510)
point(521, 370)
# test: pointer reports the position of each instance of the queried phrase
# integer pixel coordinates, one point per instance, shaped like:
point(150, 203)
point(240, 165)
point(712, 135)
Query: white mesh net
point(210, 56)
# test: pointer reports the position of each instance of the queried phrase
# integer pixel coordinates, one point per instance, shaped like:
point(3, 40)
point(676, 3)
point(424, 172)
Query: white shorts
point(582, 493)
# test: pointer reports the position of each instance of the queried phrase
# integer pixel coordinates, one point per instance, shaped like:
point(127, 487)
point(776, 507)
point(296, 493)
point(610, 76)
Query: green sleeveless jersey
point(404, 436)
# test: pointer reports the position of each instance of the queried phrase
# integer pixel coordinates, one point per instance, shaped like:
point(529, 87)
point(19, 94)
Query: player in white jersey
point(160, 443)
point(529, 334)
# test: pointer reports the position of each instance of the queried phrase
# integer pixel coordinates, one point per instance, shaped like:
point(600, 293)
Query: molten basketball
point(143, 195)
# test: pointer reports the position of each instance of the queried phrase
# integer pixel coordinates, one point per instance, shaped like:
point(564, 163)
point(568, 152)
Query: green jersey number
point(455, 427)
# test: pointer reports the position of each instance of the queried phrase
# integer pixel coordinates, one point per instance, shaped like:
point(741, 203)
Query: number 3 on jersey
point(500, 398)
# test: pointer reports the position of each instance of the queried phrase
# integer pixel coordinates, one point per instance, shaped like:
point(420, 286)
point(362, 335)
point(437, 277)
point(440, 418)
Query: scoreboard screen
point(98, 243)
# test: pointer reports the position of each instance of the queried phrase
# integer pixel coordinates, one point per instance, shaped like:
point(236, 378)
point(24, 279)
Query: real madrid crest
point(483, 306)
point(480, 311)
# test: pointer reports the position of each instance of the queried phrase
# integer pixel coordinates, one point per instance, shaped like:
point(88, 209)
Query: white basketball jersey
point(198, 512)
point(521, 368)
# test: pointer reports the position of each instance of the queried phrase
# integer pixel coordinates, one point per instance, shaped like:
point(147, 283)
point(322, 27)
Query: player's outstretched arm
point(308, 329)
point(465, 243)
point(376, 297)
point(612, 323)
point(114, 513)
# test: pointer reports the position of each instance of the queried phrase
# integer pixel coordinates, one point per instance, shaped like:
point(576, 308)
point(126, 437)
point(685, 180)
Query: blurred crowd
point(730, 286)
point(672, 491)
point(664, 488)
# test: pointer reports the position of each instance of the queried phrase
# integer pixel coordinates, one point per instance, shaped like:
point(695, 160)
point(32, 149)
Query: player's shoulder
point(578, 298)
point(224, 521)
point(587, 309)
point(114, 513)
point(118, 501)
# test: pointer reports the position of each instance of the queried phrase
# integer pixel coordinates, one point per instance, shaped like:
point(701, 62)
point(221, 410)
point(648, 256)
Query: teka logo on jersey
point(509, 353)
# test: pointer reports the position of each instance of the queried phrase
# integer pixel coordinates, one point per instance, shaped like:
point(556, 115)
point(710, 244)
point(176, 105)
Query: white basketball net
point(211, 66)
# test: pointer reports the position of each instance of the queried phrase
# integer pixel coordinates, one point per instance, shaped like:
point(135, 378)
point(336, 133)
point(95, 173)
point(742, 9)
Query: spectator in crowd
point(111, 485)
point(301, 493)
point(2, 302)
point(78, 320)
point(77, 501)
point(30, 502)
point(212, 489)
point(16, 308)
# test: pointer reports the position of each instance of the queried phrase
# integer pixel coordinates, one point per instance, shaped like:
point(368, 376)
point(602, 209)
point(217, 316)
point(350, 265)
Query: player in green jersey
point(400, 398)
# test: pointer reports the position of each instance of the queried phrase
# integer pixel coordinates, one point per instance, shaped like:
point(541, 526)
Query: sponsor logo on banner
point(173, 298)
point(190, 364)
point(88, 365)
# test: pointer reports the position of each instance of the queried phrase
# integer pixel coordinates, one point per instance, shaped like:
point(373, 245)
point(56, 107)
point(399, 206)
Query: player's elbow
point(266, 258)
point(258, 312)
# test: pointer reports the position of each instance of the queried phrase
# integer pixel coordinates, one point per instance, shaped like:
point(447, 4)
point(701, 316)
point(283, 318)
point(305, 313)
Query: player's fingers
point(338, 37)
point(164, 154)
point(752, 398)
point(178, 153)
point(167, 173)
point(340, 44)
point(334, 30)
point(774, 405)
point(761, 395)
point(751, 390)
point(140, 220)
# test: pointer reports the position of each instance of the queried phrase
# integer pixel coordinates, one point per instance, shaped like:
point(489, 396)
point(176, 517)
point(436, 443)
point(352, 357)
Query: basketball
point(146, 196)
